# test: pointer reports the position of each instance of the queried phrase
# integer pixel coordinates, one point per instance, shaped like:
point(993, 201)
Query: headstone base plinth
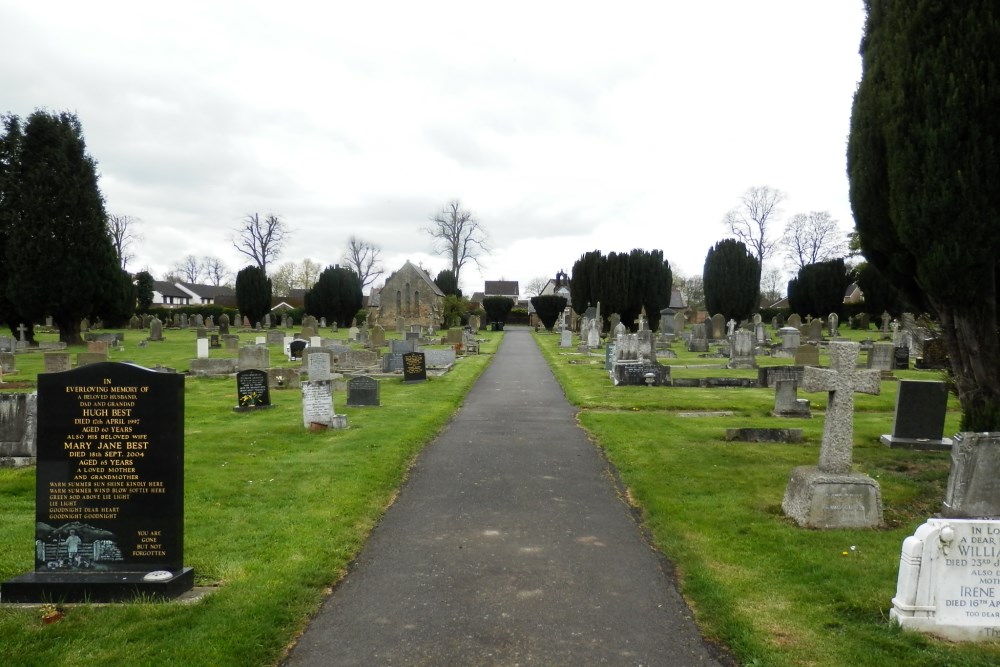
point(942, 445)
point(947, 580)
point(251, 408)
point(817, 499)
point(93, 587)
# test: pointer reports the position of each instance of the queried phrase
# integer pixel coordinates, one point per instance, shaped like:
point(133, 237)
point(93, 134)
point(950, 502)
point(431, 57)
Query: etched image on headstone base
point(831, 495)
point(921, 408)
point(109, 492)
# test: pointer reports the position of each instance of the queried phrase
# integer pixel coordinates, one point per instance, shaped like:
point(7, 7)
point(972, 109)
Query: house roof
point(170, 289)
point(206, 291)
point(502, 288)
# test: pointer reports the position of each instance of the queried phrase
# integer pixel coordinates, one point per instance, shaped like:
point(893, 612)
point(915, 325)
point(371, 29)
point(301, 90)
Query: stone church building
point(408, 297)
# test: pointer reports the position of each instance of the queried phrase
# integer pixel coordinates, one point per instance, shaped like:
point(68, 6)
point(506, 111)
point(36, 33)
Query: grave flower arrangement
point(50, 613)
point(252, 399)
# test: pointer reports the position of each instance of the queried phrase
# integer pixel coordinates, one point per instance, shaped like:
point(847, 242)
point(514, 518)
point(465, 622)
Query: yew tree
point(732, 280)
point(924, 168)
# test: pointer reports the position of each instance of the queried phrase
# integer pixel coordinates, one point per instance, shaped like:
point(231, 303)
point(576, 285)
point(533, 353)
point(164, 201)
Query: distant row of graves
point(949, 573)
point(108, 439)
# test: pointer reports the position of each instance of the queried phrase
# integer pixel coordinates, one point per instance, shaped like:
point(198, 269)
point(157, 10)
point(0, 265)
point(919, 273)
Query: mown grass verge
point(273, 515)
point(775, 594)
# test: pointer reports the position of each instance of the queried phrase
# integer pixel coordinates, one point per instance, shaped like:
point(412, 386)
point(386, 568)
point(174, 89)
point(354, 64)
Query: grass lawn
point(774, 593)
point(273, 515)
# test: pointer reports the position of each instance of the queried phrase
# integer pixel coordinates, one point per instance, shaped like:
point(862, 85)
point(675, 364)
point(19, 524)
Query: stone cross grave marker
point(841, 381)
point(830, 495)
point(22, 332)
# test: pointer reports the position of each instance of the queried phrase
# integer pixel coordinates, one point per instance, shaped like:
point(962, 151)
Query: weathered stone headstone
point(699, 340)
point(231, 341)
point(813, 331)
point(474, 323)
point(935, 355)
point(363, 391)
point(786, 400)
point(790, 338)
point(880, 357)
point(57, 362)
point(202, 348)
point(439, 358)
point(18, 424)
point(275, 336)
point(886, 319)
point(566, 338)
point(109, 510)
point(252, 390)
point(833, 325)
point(317, 406)
point(214, 342)
point(794, 320)
point(283, 378)
point(156, 329)
point(319, 366)
point(400, 325)
point(377, 336)
point(392, 362)
point(830, 495)
point(594, 335)
point(8, 363)
point(254, 356)
point(454, 336)
point(718, 326)
point(223, 325)
point(741, 350)
point(921, 408)
point(414, 367)
point(88, 358)
point(680, 320)
point(807, 355)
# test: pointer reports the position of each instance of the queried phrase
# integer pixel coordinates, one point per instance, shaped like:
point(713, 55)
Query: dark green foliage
point(497, 308)
point(116, 305)
point(455, 311)
point(880, 295)
point(447, 283)
point(10, 146)
point(731, 280)
point(549, 307)
point(336, 296)
point(144, 291)
point(924, 164)
point(819, 288)
point(253, 293)
point(623, 284)
point(59, 258)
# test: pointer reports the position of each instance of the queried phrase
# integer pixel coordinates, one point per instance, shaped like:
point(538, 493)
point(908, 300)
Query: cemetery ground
point(275, 513)
point(774, 593)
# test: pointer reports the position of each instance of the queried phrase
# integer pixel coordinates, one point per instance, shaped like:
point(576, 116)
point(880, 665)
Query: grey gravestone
point(18, 429)
point(741, 350)
point(199, 321)
point(830, 495)
point(921, 408)
point(201, 332)
point(807, 355)
point(212, 367)
point(283, 378)
point(88, 358)
point(790, 338)
point(156, 329)
point(718, 326)
point(275, 337)
point(414, 367)
point(974, 481)
point(439, 358)
point(107, 519)
point(202, 348)
point(317, 403)
point(254, 356)
point(794, 320)
point(635, 374)
point(392, 362)
point(880, 357)
point(363, 391)
point(319, 366)
point(786, 401)
point(609, 356)
point(231, 341)
point(7, 362)
point(454, 336)
point(377, 336)
point(698, 342)
point(768, 376)
point(223, 325)
point(57, 362)
point(566, 338)
point(252, 390)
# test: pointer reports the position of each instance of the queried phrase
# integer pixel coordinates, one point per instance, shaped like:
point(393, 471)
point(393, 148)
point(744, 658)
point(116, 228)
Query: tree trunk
point(974, 351)
point(69, 332)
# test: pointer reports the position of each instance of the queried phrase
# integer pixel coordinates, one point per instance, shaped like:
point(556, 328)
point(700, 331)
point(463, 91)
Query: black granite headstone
point(213, 341)
point(295, 348)
point(252, 390)
point(414, 367)
point(641, 375)
point(901, 358)
point(109, 492)
point(921, 408)
point(363, 391)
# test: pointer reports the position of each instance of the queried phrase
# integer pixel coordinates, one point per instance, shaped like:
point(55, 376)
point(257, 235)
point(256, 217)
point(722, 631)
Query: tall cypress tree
point(336, 295)
point(60, 260)
point(253, 293)
point(819, 288)
point(924, 167)
point(731, 279)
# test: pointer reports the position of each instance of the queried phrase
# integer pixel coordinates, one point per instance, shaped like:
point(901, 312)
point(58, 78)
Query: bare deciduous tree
point(188, 269)
point(284, 279)
point(751, 221)
point(214, 270)
point(260, 240)
point(812, 238)
point(772, 285)
point(121, 229)
point(535, 286)
point(363, 257)
point(457, 234)
point(308, 273)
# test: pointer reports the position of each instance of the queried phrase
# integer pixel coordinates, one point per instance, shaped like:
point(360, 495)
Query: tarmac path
point(508, 545)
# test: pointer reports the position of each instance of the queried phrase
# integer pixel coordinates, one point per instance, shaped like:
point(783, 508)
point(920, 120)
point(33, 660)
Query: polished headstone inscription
point(414, 367)
point(109, 496)
point(252, 390)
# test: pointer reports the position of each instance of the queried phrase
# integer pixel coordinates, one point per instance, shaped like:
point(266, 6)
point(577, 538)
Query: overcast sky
point(564, 126)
